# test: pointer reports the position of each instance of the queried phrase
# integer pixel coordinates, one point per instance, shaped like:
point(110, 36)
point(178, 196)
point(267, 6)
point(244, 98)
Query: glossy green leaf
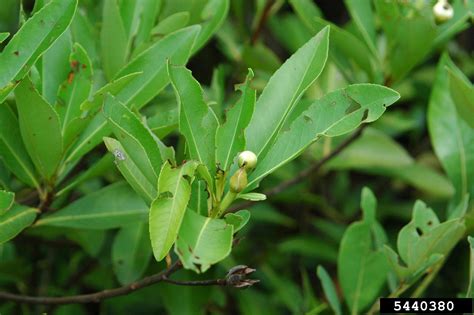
point(362, 266)
point(54, 66)
point(363, 17)
point(73, 92)
point(283, 91)
point(238, 219)
point(6, 201)
point(34, 38)
point(462, 94)
point(376, 153)
point(40, 128)
point(99, 168)
point(130, 171)
point(138, 141)
point(16, 220)
point(329, 290)
point(203, 241)
point(336, 113)
point(470, 289)
point(252, 196)
point(3, 36)
point(164, 122)
point(230, 137)
point(409, 37)
point(199, 197)
point(84, 33)
point(150, 11)
point(197, 122)
point(131, 252)
point(110, 207)
point(113, 39)
point(171, 23)
point(12, 151)
point(213, 15)
point(425, 236)
point(113, 88)
point(167, 210)
point(343, 46)
point(175, 47)
point(92, 135)
point(451, 137)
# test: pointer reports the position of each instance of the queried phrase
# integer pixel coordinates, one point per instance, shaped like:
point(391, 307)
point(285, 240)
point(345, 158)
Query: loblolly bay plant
point(121, 168)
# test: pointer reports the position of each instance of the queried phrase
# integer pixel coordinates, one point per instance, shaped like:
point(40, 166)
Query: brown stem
point(261, 22)
point(93, 297)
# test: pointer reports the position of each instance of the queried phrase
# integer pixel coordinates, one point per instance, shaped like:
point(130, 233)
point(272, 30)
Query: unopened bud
point(442, 11)
point(238, 181)
point(248, 160)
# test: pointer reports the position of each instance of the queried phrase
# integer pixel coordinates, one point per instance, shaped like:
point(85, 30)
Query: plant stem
point(226, 202)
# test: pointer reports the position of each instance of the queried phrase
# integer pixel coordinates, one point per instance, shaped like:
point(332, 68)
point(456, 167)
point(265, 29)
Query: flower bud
point(238, 181)
point(442, 11)
point(247, 160)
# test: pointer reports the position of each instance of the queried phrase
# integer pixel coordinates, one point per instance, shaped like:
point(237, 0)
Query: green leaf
point(409, 36)
point(362, 266)
point(425, 236)
point(199, 197)
point(363, 17)
point(213, 14)
point(98, 168)
point(13, 151)
point(40, 128)
point(238, 220)
point(470, 290)
point(230, 137)
point(203, 241)
point(6, 201)
point(113, 88)
point(343, 45)
point(113, 39)
point(252, 196)
point(139, 142)
point(54, 66)
point(462, 94)
point(336, 113)
point(452, 138)
point(283, 91)
point(197, 122)
point(3, 36)
point(34, 38)
point(16, 220)
point(329, 290)
point(376, 153)
point(164, 122)
point(130, 171)
point(175, 47)
point(110, 207)
point(171, 23)
point(149, 14)
point(131, 252)
point(167, 210)
point(73, 92)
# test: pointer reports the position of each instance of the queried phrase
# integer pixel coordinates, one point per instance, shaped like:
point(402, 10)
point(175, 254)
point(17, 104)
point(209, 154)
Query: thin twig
point(261, 22)
point(303, 174)
point(93, 297)
point(222, 282)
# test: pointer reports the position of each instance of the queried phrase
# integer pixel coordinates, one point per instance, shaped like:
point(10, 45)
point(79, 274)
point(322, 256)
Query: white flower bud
point(247, 160)
point(443, 11)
